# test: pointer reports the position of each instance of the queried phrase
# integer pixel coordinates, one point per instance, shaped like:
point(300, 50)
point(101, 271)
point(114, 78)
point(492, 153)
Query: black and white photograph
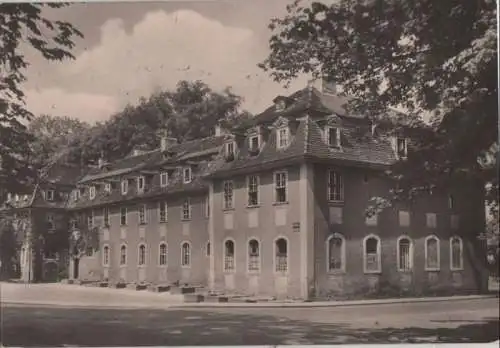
point(249, 172)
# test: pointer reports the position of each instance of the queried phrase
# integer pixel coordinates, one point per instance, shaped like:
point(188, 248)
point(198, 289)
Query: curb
point(47, 304)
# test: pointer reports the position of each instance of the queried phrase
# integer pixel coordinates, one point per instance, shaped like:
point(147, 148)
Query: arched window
point(228, 256)
point(163, 254)
point(404, 254)
point(281, 255)
point(432, 254)
point(372, 258)
point(456, 254)
point(335, 249)
point(207, 249)
point(142, 255)
point(186, 254)
point(253, 256)
point(123, 255)
point(105, 255)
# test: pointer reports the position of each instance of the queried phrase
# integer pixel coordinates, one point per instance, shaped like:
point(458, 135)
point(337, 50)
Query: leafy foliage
point(24, 25)
point(434, 59)
point(8, 246)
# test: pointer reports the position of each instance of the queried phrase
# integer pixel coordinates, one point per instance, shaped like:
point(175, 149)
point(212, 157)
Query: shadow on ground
point(29, 326)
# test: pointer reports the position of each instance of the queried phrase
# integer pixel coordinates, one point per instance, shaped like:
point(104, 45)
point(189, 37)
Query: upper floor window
point(280, 187)
point(92, 192)
point(432, 253)
point(186, 173)
point(404, 254)
point(186, 209)
point(456, 254)
point(90, 219)
point(333, 136)
point(401, 147)
point(124, 186)
point(253, 142)
point(163, 179)
point(50, 195)
point(228, 195)
point(229, 148)
point(123, 216)
point(335, 253)
point(140, 184)
point(253, 190)
point(50, 221)
point(105, 214)
point(107, 187)
point(163, 212)
point(282, 137)
point(142, 214)
point(335, 186)
point(372, 254)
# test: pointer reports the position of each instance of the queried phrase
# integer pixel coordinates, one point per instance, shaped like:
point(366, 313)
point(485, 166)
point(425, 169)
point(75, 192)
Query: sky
point(131, 49)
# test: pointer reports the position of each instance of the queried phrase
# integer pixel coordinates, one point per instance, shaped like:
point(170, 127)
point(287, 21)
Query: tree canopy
point(435, 59)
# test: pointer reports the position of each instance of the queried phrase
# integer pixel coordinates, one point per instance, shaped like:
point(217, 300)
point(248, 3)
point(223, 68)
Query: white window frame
point(183, 209)
point(287, 255)
point(124, 186)
point(342, 253)
point(230, 145)
point(426, 253)
point(160, 220)
point(410, 251)
point(106, 258)
point(50, 195)
point(282, 140)
point(183, 254)
point(228, 195)
point(105, 217)
point(276, 186)
point(379, 254)
point(50, 220)
point(461, 266)
point(328, 138)
point(122, 246)
point(186, 178)
point(163, 179)
point(145, 263)
point(140, 188)
point(332, 194)
point(257, 187)
point(160, 254)
point(259, 257)
point(107, 187)
point(226, 270)
point(92, 192)
point(143, 220)
point(122, 209)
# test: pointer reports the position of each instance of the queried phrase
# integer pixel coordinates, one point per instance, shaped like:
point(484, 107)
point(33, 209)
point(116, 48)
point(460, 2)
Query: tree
point(24, 25)
point(431, 58)
point(8, 248)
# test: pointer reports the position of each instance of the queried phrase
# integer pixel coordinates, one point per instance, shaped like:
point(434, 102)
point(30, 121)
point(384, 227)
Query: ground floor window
point(105, 255)
point(123, 255)
point(372, 257)
point(253, 256)
point(185, 254)
point(142, 255)
point(336, 253)
point(228, 256)
point(163, 254)
point(456, 253)
point(281, 255)
point(432, 253)
point(404, 254)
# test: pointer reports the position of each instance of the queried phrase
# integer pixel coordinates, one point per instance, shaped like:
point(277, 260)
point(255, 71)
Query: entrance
point(76, 268)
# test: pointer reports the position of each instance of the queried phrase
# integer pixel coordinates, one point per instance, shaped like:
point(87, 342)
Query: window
point(89, 252)
point(105, 214)
point(123, 255)
point(253, 190)
point(207, 249)
point(333, 136)
point(456, 254)
point(207, 207)
point(76, 195)
point(281, 255)
point(90, 219)
point(185, 254)
point(229, 148)
point(335, 186)
point(253, 142)
point(186, 209)
point(107, 187)
point(186, 173)
point(228, 195)
point(142, 214)
point(73, 224)
point(163, 179)
point(253, 256)
point(335, 253)
point(432, 254)
point(431, 220)
point(50, 221)
point(105, 255)
point(451, 202)
point(92, 192)
point(50, 195)
point(163, 211)
point(142, 255)
point(454, 221)
point(163, 254)
point(372, 257)
point(404, 218)
point(123, 216)
point(404, 254)
point(282, 140)
point(140, 184)
point(280, 179)
point(401, 147)
point(124, 187)
point(228, 256)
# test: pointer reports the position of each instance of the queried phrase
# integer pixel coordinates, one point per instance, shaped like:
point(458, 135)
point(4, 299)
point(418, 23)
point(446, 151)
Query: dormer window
point(253, 142)
point(124, 187)
point(107, 187)
point(92, 192)
point(186, 175)
point(140, 184)
point(229, 148)
point(163, 179)
point(50, 195)
point(282, 137)
point(401, 147)
point(333, 136)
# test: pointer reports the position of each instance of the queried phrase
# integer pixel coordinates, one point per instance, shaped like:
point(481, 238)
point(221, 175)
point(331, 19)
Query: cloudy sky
point(131, 49)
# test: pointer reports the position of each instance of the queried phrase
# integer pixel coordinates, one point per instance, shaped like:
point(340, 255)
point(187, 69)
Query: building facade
point(276, 208)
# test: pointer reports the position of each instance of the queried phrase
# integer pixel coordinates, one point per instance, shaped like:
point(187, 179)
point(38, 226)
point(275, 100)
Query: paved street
point(454, 321)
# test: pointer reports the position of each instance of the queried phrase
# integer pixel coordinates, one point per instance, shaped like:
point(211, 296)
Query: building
point(276, 208)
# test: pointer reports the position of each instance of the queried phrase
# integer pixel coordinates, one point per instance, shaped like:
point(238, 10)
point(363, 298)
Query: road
point(49, 325)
